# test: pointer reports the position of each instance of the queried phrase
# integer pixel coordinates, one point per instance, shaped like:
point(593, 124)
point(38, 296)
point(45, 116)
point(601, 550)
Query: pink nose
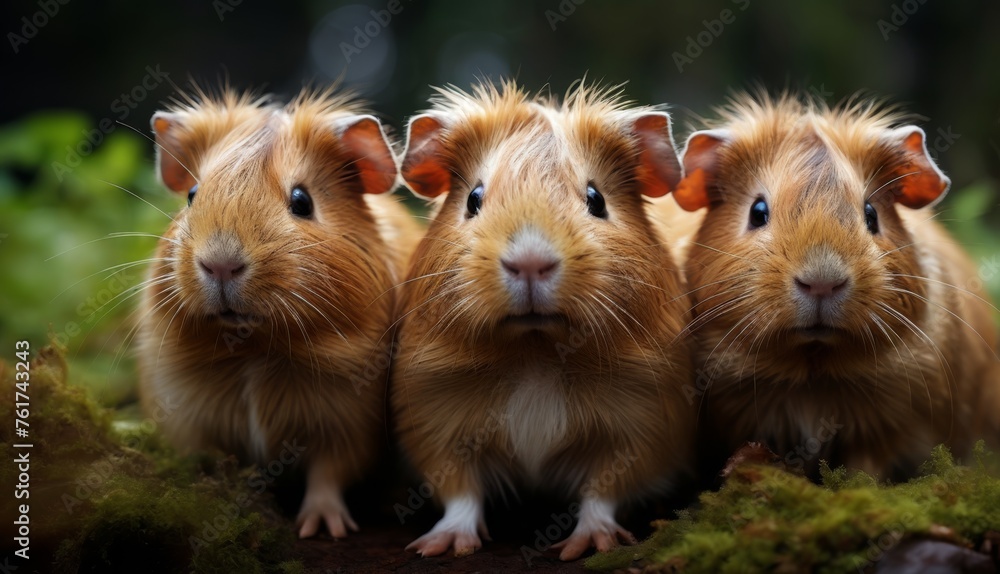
point(222, 269)
point(530, 267)
point(820, 287)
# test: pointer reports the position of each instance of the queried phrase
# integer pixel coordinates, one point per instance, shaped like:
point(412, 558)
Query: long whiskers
point(111, 236)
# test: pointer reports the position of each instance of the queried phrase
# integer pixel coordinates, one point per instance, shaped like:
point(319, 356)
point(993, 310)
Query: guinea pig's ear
point(920, 181)
point(171, 159)
point(424, 169)
point(659, 171)
point(701, 164)
point(370, 152)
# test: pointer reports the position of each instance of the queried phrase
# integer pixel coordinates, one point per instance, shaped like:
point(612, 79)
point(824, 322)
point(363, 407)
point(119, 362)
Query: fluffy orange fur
point(305, 359)
point(911, 361)
point(614, 362)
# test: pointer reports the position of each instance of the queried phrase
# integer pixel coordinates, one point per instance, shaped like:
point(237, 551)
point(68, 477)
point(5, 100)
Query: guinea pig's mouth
point(230, 317)
point(532, 320)
point(818, 332)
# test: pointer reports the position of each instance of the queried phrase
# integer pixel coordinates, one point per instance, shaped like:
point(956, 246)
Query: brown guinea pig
point(263, 323)
point(834, 318)
point(541, 312)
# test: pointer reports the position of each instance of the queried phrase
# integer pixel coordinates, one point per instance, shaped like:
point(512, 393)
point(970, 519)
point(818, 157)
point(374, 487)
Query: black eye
point(300, 203)
point(192, 193)
point(475, 201)
point(871, 218)
point(759, 214)
point(595, 203)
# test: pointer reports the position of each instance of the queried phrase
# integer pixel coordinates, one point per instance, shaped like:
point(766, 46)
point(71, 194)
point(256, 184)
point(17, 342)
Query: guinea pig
point(834, 318)
point(541, 312)
point(264, 319)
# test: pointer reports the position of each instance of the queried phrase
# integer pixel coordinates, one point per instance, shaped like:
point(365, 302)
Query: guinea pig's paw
point(324, 506)
point(603, 539)
point(596, 529)
point(459, 528)
point(437, 542)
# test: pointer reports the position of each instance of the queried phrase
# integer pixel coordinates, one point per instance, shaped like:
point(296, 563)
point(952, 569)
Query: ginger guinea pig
point(541, 311)
point(834, 318)
point(264, 319)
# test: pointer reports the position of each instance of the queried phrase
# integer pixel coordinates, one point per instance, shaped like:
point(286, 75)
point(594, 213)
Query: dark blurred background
point(70, 176)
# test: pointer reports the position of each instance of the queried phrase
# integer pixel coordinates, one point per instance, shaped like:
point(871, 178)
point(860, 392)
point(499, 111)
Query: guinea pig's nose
point(531, 267)
point(223, 269)
point(820, 286)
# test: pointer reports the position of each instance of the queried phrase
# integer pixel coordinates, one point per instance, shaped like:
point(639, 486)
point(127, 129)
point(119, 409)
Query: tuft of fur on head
point(536, 156)
point(816, 167)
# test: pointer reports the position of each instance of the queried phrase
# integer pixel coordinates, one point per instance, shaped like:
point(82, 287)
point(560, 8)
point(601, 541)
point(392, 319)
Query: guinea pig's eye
point(759, 213)
point(191, 194)
point(300, 203)
point(475, 201)
point(595, 203)
point(871, 218)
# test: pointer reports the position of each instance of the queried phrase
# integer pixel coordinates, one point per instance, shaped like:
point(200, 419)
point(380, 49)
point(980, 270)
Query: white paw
point(596, 529)
point(324, 506)
point(459, 529)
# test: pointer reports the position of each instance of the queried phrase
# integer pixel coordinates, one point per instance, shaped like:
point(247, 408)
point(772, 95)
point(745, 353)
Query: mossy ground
point(111, 497)
point(765, 518)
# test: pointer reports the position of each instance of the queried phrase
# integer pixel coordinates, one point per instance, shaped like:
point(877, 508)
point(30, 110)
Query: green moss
point(110, 495)
point(767, 519)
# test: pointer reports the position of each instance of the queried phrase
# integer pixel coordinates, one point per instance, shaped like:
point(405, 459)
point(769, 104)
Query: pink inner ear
point(169, 157)
point(423, 168)
point(427, 179)
point(920, 182)
point(692, 193)
point(659, 171)
point(701, 159)
point(374, 160)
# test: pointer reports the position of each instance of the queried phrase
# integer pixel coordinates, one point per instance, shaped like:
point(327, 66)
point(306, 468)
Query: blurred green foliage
point(64, 272)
